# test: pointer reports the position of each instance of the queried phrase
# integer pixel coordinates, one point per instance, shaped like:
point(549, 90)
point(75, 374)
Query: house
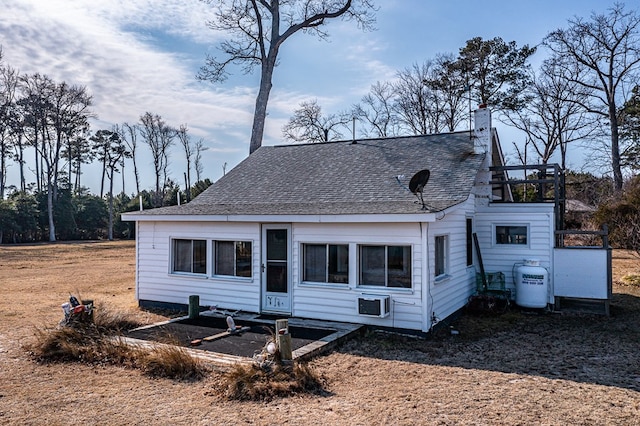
point(332, 231)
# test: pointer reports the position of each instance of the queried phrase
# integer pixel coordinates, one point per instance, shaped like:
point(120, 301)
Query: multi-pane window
point(326, 263)
point(388, 266)
point(190, 256)
point(441, 242)
point(233, 258)
point(511, 234)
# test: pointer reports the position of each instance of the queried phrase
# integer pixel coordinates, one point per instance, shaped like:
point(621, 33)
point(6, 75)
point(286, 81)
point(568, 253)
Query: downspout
point(426, 286)
point(137, 276)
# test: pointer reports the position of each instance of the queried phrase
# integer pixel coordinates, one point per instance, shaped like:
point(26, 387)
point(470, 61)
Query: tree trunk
point(615, 148)
point(260, 114)
point(2, 169)
point(110, 232)
point(52, 226)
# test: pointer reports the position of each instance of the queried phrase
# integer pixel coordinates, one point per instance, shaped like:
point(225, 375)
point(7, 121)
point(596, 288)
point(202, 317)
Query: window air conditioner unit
point(374, 306)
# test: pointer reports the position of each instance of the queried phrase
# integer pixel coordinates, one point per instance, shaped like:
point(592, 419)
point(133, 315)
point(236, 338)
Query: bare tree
point(376, 111)
point(129, 135)
point(188, 147)
point(159, 137)
point(258, 28)
point(309, 125)
point(553, 118)
point(197, 161)
point(418, 108)
point(605, 53)
point(8, 113)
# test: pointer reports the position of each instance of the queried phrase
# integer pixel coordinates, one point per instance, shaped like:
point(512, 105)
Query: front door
point(276, 269)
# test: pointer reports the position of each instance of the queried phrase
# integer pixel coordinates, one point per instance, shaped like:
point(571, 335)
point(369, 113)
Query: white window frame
point(173, 245)
point(214, 259)
point(445, 253)
point(469, 243)
point(326, 266)
point(386, 266)
point(494, 235)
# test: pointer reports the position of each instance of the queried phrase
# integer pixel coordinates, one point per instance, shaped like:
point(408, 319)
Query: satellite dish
point(417, 184)
point(419, 180)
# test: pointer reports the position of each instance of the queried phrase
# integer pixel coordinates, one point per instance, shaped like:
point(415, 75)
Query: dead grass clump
point(172, 362)
point(631, 279)
point(85, 344)
point(98, 342)
point(114, 321)
point(88, 344)
point(255, 383)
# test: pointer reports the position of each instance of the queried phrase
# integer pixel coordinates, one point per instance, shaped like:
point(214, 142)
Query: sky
point(137, 56)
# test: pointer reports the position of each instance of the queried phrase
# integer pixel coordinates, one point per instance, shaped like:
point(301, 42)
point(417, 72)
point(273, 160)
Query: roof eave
point(310, 218)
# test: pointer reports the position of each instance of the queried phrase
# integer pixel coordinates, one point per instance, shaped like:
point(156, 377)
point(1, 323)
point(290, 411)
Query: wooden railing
point(548, 177)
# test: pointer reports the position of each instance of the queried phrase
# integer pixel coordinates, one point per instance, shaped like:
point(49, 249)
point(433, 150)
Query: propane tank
point(532, 285)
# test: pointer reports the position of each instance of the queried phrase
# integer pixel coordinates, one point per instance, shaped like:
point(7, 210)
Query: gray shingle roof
point(342, 178)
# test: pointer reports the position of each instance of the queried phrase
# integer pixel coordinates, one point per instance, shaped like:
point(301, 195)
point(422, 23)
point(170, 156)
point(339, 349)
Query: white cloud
point(121, 51)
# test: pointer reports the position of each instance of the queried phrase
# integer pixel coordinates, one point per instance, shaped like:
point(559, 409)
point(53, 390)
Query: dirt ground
point(521, 368)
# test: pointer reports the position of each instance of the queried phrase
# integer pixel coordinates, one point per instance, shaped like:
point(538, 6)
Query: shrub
point(622, 215)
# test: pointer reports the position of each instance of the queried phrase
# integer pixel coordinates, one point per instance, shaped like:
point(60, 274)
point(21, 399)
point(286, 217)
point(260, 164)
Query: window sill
point(231, 279)
point(335, 286)
point(373, 289)
point(442, 278)
point(188, 275)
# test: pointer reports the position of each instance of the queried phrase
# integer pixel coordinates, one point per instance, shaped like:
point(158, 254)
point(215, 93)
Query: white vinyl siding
point(539, 220)
point(450, 292)
point(338, 302)
point(411, 308)
point(156, 283)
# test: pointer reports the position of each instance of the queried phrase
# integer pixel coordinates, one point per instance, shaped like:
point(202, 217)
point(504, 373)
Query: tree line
point(45, 130)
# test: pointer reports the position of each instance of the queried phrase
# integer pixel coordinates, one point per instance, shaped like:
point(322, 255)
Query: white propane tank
point(532, 285)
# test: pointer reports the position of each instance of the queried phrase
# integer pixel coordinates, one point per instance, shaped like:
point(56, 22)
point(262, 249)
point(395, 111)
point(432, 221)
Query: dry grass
point(100, 343)
point(172, 362)
point(80, 344)
point(255, 383)
point(111, 320)
point(631, 279)
point(513, 369)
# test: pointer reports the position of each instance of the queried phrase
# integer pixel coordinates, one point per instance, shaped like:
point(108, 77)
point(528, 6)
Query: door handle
point(262, 267)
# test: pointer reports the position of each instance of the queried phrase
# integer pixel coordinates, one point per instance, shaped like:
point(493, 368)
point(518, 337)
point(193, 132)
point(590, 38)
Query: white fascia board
point(522, 208)
point(361, 218)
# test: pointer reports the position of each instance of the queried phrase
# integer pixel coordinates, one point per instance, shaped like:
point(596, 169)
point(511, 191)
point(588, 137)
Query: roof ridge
point(356, 141)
